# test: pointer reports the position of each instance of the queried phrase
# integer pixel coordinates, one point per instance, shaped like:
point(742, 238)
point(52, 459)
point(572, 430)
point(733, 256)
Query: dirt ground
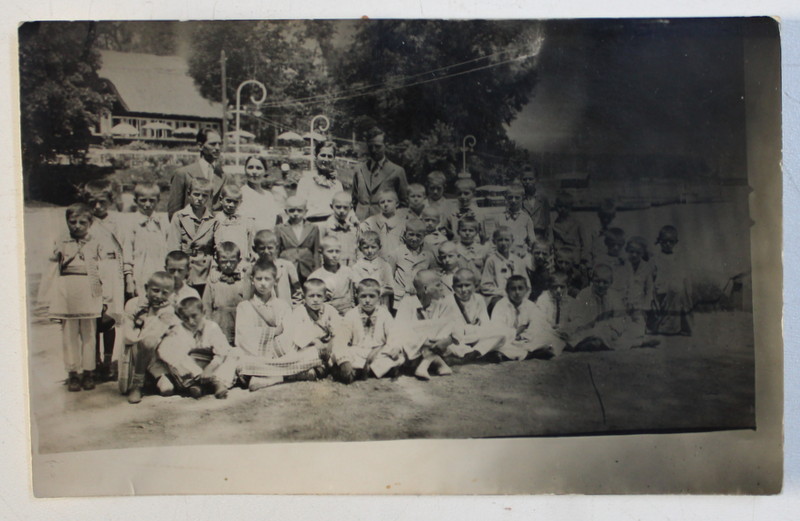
point(699, 383)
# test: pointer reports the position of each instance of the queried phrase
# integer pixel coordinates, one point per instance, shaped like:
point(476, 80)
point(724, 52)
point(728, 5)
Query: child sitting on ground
point(424, 326)
point(225, 289)
point(298, 240)
point(469, 246)
point(338, 279)
point(359, 347)
point(343, 225)
point(196, 353)
point(192, 232)
point(287, 283)
point(177, 265)
point(145, 239)
point(72, 292)
point(147, 318)
point(313, 325)
point(553, 305)
point(672, 289)
point(524, 321)
point(417, 200)
point(407, 258)
point(475, 335)
point(371, 266)
point(231, 225)
point(500, 265)
point(263, 334)
point(596, 319)
point(389, 224)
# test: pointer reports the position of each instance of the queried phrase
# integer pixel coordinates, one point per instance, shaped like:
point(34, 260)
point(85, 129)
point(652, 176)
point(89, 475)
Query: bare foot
point(422, 369)
point(441, 368)
point(260, 382)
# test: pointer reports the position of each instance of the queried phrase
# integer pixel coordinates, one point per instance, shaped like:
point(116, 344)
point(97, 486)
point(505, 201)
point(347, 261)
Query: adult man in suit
point(208, 168)
point(376, 174)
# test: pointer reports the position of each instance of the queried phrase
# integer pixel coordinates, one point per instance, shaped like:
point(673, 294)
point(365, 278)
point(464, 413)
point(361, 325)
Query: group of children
point(206, 301)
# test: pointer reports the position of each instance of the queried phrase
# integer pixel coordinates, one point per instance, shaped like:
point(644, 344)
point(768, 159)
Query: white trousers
point(78, 338)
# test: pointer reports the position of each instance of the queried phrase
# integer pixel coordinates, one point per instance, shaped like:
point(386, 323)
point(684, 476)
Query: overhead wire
point(378, 84)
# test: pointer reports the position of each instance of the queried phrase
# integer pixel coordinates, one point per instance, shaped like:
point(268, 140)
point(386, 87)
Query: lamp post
point(257, 102)
point(468, 141)
point(324, 125)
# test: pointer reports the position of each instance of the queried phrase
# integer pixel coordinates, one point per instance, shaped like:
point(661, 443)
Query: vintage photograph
point(247, 232)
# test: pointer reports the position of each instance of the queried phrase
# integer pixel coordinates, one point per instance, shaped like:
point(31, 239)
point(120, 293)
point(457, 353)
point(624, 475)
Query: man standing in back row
point(208, 168)
point(375, 175)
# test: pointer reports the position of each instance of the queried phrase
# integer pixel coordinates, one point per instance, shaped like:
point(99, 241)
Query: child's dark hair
point(319, 145)
point(642, 243)
point(310, 284)
point(189, 302)
point(265, 237)
point(516, 278)
point(264, 264)
point(614, 236)
point(176, 256)
point(369, 237)
point(102, 186)
point(229, 247)
point(79, 209)
point(468, 219)
point(368, 284)
point(565, 200)
point(665, 231)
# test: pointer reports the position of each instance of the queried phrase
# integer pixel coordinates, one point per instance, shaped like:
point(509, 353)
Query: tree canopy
point(289, 57)
point(144, 37)
point(60, 92)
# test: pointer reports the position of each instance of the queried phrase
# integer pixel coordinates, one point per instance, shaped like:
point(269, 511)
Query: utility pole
point(224, 100)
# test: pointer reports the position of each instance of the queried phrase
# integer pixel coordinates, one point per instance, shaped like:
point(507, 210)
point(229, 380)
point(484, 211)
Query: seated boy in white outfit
point(527, 324)
point(424, 325)
point(359, 347)
point(475, 334)
point(196, 353)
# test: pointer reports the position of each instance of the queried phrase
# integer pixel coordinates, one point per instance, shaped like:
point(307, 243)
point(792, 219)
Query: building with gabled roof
point(157, 101)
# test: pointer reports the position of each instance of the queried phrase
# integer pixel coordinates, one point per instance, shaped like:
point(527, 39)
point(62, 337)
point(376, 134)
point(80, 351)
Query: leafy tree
point(145, 37)
point(288, 57)
point(60, 92)
point(481, 74)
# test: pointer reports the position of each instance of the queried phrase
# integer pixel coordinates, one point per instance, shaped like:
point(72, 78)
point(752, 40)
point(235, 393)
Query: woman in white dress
point(257, 202)
point(318, 187)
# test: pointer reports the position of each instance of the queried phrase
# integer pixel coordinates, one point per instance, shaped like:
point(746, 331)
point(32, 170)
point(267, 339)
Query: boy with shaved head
point(424, 325)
